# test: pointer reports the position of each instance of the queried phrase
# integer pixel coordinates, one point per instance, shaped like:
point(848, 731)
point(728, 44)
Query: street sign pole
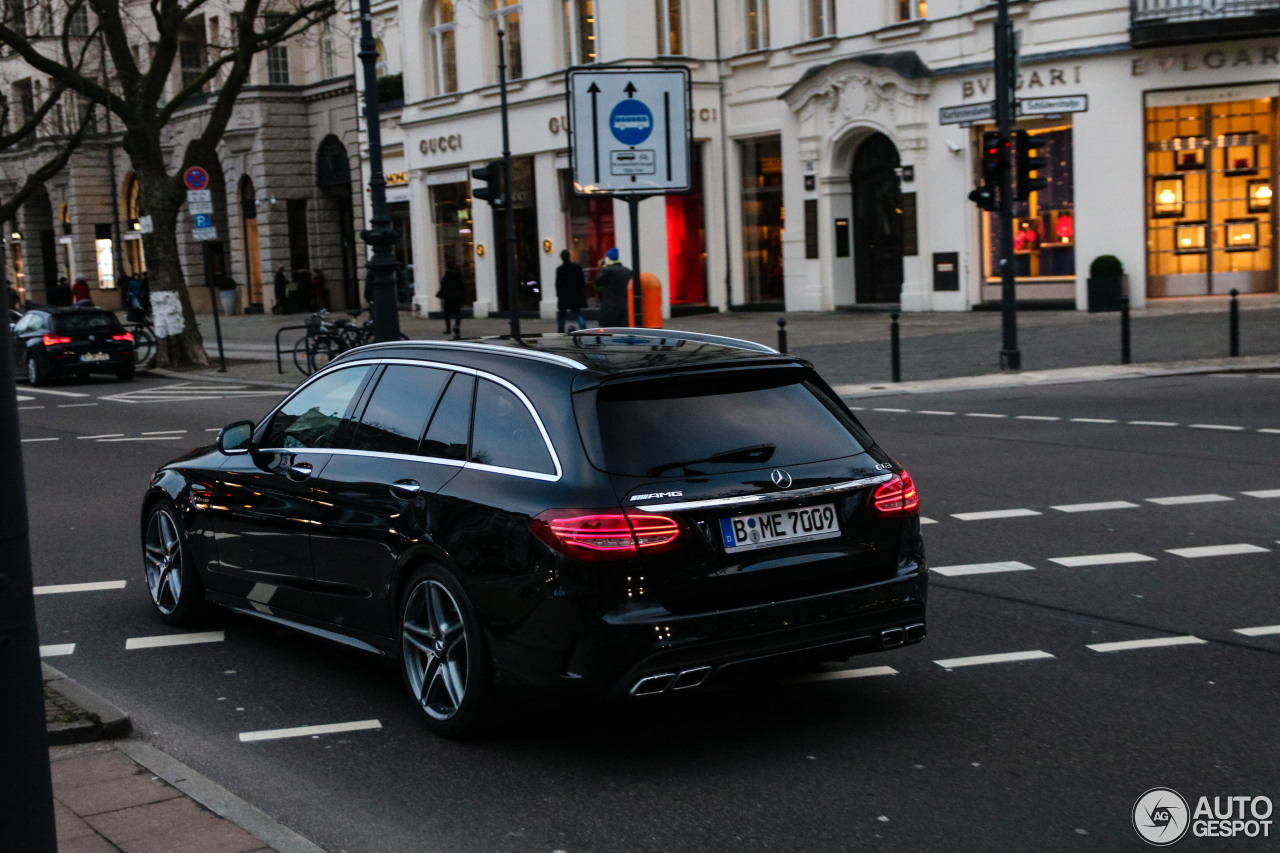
point(633, 206)
point(509, 215)
point(213, 298)
point(1010, 356)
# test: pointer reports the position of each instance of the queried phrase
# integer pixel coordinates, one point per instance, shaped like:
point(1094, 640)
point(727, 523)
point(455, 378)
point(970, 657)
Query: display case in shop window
point(1260, 195)
point(1188, 152)
point(1240, 154)
point(1189, 238)
point(1167, 196)
point(1241, 235)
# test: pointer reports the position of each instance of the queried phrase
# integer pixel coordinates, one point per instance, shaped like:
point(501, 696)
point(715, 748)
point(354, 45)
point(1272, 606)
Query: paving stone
point(115, 794)
point(175, 826)
point(70, 825)
point(88, 844)
point(75, 771)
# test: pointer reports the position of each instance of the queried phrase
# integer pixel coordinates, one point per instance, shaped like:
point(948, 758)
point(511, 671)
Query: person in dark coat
point(60, 293)
point(571, 291)
point(281, 285)
point(611, 283)
point(452, 291)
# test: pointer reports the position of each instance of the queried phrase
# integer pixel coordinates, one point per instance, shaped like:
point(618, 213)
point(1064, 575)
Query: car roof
point(605, 352)
point(58, 310)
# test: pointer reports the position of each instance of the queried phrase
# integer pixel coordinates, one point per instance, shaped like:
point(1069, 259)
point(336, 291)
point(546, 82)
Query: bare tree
point(138, 76)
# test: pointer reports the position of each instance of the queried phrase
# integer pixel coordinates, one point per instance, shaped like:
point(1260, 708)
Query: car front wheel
point(444, 657)
point(172, 578)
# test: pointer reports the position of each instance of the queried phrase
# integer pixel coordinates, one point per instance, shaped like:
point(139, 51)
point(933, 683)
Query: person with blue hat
point(611, 284)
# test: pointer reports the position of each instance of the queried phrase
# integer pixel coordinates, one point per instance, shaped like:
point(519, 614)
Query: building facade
point(835, 143)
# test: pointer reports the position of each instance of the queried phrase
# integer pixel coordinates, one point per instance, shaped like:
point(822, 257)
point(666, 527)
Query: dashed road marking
point(309, 731)
point(1095, 507)
point(174, 640)
point(30, 440)
point(1271, 431)
point(924, 520)
point(57, 650)
point(75, 405)
point(1260, 631)
point(1178, 500)
point(1037, 418)
point(1216, 426)
point(53, 392)
point(142, 438)
point(841, 674)
point(1154, 423)
point(95, 586)
point(1094, 420)
point(982, 568)
point(104, 435)
point(899, 411)
point(983, 415)
point(1152, 643)
point(1102, 559)
point(166, 432)
point(1218, 550)
point(28, 408)
point(1265, 493)
point(995, 513)
point(934, 412)
point(1006, 657)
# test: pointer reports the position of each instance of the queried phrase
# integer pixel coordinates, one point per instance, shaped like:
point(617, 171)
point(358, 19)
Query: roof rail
point(476, 346)
point(696, 337)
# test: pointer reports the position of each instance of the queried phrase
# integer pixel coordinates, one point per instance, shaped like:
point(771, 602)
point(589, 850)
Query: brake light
point(592, 535)
point(123, 336)
point(898, 496)
point(50, 340)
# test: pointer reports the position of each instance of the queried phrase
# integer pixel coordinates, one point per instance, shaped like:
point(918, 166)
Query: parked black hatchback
point(50, 341)
point(612, 513)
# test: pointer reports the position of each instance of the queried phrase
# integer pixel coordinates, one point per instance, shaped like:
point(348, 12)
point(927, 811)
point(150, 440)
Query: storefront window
point(1209, 195)
point(762, 218)
point(1044, 250)
point(687, 240)
point(588, 224)
point(451, 213)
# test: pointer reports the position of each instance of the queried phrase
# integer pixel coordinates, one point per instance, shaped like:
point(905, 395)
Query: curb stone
point(103, 720)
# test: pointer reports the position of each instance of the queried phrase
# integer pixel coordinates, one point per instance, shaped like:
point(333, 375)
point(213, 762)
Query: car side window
point(313, 416)
point(447, 435)
point(505, 434)
point(27, 323)
point(397, 413)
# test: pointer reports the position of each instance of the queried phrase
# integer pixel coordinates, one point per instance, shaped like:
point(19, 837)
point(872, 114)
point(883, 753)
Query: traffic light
point(1028, 163)
point(994, 158)
point(490, 174)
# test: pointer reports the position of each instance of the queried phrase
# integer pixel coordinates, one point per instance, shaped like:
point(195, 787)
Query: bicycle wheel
point(300, 359)
point(321, 352)
point(144, 347)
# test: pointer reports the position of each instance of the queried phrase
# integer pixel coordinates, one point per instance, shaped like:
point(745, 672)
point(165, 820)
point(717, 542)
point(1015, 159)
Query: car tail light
point(50, 340)
point(898, 496)
point(605, 535)
point(123, 336)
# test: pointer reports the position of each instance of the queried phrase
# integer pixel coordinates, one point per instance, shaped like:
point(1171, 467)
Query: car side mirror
point(236, 437)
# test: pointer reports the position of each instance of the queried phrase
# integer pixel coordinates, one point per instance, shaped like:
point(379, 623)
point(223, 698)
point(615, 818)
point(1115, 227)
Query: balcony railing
point(1157, 22)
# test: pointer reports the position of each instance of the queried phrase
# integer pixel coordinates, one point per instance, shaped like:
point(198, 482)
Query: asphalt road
point(1082, 535)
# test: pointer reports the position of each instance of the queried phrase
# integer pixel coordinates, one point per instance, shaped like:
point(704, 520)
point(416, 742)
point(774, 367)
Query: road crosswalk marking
point(57, 650)
point(1102, 559)
point(1178, 500)
point(1217, 550)
point(995, 513)
point(1095, 507)
point(982, 568)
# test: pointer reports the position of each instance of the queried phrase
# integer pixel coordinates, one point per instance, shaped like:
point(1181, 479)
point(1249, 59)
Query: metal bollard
point(895, 354)
point(782, 334)
point(1125, 357)
point(1235, 324)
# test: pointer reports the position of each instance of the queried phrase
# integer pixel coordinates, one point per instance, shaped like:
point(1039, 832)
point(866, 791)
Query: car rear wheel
point(37, 373)
point(444, 657)
point(125, 373)
point(172, 579)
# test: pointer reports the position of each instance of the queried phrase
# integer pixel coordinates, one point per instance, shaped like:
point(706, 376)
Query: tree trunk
point(178, 339)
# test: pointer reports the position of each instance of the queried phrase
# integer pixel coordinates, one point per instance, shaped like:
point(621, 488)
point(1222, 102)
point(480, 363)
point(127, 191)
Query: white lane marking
point(1153, 643)
point(305, 731)
point(174, 640)
point(1037, 418)
point(104, 435)
point(1007, 657)
point(75, 405)
point(214, 429)
point(57, 650)
point(898, 411)
point(982, 568)
point(22, 399)
point(839, 675)
point(1093, 420)
point(29, 440)
point(1102, 559)
point(1218, 550)
point(924, 520)
point(28, 408)
point(995, 513)
point(1261, 631)
point(1271, 431)
point(1095, 507)
point(143, 438)
point(933, 412)
point(1265, 493)
point(78, 587)
point(1216, 426)
point(1177, 500)
point(165, 432)
point(1154, 423)
point(54, 393)
point(983, 415)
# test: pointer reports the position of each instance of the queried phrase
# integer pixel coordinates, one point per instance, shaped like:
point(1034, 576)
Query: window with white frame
point(506, 17)
point(278, 65)
point(670, 27)
point(78, 25)
point(443, 62)
point(910, 10)
point(580, 32)
point(757, 24)
point(822, 18)
point(328, 56)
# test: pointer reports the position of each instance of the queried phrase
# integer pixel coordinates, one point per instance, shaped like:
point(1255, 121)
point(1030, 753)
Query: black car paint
point(64, 359)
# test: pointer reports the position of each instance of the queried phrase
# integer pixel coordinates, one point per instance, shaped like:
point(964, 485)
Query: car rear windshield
point(86, 322)
point(722, 423)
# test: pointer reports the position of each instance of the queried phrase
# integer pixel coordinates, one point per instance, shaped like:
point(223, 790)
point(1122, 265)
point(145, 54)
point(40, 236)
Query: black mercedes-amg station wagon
point(612, 513)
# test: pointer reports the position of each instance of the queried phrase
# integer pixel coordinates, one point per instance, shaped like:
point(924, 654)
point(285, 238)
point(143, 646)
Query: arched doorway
point(333, 177)
point(877, 221)
point(135, 260)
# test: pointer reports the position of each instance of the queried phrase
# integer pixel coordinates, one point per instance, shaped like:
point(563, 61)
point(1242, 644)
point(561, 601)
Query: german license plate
point(94, 356)
point(762, 530)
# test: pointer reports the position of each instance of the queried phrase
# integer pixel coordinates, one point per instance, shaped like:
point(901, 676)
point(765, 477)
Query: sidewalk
point(123, 795)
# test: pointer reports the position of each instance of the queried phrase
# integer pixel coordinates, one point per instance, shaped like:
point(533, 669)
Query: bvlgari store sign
point(1195, 60)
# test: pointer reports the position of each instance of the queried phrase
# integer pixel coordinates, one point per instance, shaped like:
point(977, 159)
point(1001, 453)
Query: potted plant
point(1107, 283)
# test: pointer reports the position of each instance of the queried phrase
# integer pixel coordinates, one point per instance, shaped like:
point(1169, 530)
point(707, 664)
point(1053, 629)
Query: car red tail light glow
point(123, 336)
point(604, 535)
point(898, 496)
point(50, 340)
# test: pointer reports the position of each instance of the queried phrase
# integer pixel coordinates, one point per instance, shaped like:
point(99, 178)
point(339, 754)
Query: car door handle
point(301, 471)
point(405, 488)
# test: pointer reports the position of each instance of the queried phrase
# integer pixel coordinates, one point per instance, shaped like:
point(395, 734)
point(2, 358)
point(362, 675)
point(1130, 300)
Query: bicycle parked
point(328, 336)
point(144, 343)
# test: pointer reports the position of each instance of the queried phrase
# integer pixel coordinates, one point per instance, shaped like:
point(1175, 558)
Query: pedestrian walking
point(281, 286)
point(452, 291)
point(80, 290)
point(135, 302)
point(611, 284)
point(60, 293)
point(571, 291)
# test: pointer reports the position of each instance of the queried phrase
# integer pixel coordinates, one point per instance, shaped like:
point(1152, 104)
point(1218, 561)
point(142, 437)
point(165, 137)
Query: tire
point(171, 576)
point(444, 657)
point(300, 359)
point(37, 373)
point(125, 373)
point(144, 347)
point(321, 352)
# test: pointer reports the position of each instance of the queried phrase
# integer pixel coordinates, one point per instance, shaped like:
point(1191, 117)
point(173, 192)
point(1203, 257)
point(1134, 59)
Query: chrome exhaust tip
point(915, 632)
point(653, 684)
point(690, 678)
point(891, 637)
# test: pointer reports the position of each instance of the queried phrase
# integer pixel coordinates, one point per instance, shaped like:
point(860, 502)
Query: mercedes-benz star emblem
point(781, 478)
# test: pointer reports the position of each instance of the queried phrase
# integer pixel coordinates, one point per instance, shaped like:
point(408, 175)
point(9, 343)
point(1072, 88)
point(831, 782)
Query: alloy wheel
point(163, 560)
point(434, 640)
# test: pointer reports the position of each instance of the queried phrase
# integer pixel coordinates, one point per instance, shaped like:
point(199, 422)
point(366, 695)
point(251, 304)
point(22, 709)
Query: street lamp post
point(379, 236)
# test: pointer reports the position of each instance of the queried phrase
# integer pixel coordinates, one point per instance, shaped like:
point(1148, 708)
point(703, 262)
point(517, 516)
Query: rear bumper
point(70, 362)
